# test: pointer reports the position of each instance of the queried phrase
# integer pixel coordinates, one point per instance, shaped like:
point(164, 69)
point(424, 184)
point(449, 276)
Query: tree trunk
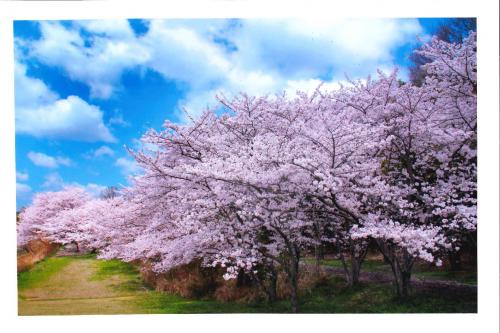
point(271, 289)
point(405, 284)
point(352, 268)
point(355, 270)
point(267, 281)
point(401, 266)
point(293, 297)
point(318, 249)
point(293, 277)
point(455, 262)
point(352, 264)
point(291, 265)
point(318, 256)
point(402, 282)
point(318, 252)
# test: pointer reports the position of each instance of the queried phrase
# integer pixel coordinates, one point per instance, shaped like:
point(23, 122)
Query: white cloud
point(209, 56)
point(40, 112)
point(44, 160)
point(40, 159)
point(301, 48)
point(103, 151)
point(94, 190)
point(309, 86)
point(180, 53)
point(109, 28)
point(71, 118)
point(127, 166)
point(112, 49)
point(54, 182)
point(270, 56)
point(22, 189)
point(117, 119)
point(64, 161)
point(23, 176)
point(30, 92)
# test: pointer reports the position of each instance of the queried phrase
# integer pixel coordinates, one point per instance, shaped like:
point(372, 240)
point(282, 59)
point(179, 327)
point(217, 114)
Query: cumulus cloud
point(301, 48)
point(22, 189)
point(94, 190)
point(118, 120)
point(113, 49)
point(104, 151)
point(30, 92)
point(44, 160)
point(23, 176)
point(180, 53)
point(41, 113)
point(230, 56)
point(127, 166)
point(54, 182)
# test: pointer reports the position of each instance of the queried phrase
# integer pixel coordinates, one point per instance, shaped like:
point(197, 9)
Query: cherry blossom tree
point(255, 183)
point(426, 194)
point(40, 220)
point(247, 190)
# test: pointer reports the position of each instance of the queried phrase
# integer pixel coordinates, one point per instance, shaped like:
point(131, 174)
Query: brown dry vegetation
point(195, 281)
point(34, 251)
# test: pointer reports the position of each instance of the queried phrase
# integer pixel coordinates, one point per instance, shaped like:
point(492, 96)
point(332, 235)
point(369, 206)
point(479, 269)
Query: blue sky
point(86, 89)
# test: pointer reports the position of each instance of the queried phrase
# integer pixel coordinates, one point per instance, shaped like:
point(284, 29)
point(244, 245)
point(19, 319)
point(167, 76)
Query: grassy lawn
point(423, 271)
point(368, 265)
point(334, 297)
point(41, 272)
point(331, 297)
point(85, 285)
point(459, 276)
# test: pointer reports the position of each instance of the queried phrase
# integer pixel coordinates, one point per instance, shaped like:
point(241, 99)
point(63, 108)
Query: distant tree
point(40, 219)
point(109, 193)
point(454, 31)
point(18, 213)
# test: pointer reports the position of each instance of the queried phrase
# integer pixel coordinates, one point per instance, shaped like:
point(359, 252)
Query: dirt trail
point(73, 291)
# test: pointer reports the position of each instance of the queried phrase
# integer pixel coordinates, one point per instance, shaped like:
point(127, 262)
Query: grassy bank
point(85, 285)
point(331, 297)
point(41, 272)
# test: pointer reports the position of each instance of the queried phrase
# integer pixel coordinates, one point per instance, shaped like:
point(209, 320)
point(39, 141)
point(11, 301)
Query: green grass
point(156, 302)
point(41, 272)
point(368, 265)
point(335, 297)
point(331, 296)
point(460, 276)
point(109, 268)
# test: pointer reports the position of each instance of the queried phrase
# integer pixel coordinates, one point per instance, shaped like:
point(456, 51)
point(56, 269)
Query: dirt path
point(73, 290)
